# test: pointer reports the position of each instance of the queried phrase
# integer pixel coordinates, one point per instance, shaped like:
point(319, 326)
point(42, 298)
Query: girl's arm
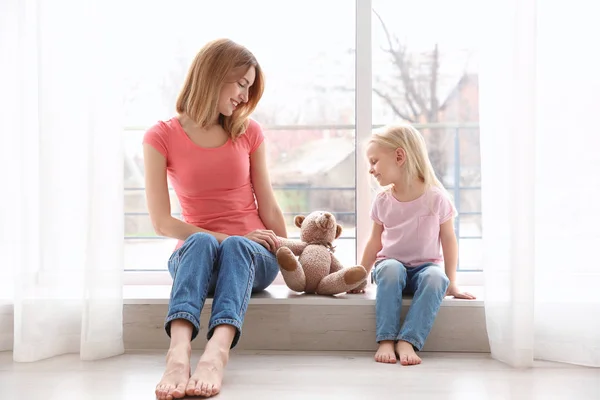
point(268, 209)
point(450, 250)
point(159, 205)
point(372, 247)
point(369, 256)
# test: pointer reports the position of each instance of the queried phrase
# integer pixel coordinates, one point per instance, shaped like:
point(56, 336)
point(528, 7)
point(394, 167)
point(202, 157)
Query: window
point(323, 94)
point(309, 124)
point(425, 73)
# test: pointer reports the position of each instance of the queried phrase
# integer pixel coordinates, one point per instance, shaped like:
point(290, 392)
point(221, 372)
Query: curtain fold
point(539, 92)
point(62, 211)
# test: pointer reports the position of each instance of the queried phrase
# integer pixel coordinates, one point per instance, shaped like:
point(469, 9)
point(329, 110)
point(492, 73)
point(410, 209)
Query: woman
point(215, 159)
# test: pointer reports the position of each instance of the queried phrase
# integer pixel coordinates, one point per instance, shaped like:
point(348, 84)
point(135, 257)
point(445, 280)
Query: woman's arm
point(268, 209)
point(159, 205)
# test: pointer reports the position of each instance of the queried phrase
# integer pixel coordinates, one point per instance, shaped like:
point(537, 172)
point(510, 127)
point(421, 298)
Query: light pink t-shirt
point(213, 185)
point(411, 230)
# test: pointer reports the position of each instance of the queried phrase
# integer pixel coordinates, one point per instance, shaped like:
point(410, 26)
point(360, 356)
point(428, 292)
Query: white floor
point(280, 375)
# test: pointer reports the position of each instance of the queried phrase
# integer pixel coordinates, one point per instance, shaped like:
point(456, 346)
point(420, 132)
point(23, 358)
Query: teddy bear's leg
point(342, 281)
point(291, 270)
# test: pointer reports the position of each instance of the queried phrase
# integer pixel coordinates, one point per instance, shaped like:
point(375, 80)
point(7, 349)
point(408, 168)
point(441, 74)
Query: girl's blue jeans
point(428, 284)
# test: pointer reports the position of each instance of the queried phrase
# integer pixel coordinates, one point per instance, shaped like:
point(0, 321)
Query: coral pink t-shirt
point(411, 230)
point(213, 185)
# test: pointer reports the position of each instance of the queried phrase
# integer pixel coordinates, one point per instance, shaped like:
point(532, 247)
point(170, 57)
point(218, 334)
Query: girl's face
point(385, 164)
point(235, 93)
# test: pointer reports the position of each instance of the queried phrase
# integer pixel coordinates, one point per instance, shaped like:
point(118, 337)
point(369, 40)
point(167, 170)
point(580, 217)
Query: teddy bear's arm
point(295, 246)
point(336, 265)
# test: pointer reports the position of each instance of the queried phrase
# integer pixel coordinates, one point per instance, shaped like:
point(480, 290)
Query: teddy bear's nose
point(326, 221)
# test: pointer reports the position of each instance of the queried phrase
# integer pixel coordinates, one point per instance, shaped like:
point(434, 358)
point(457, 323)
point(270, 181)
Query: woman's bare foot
point(177, 372)
point(407, 354)
point(208, 375)
point(385, 352)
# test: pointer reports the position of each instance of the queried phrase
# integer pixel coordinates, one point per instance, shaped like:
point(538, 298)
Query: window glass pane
point(470, 201)
point(470, 254)
point(470, 226)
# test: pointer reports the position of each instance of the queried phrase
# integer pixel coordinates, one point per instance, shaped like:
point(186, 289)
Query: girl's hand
point(358, 290)
point(454, 291)
point(264, 237)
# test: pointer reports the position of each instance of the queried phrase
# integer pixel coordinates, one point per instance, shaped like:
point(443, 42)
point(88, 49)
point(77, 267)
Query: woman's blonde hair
point(218, 62)
point(417, 164)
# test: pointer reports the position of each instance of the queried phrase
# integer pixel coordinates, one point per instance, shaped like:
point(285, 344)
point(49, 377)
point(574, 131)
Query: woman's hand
point(264, 237)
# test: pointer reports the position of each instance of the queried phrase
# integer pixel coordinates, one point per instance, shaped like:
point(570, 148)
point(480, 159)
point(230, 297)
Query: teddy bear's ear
point(298, 220)
point(338, 231)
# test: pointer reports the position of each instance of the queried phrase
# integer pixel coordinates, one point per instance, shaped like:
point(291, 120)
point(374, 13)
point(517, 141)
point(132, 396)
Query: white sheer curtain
point(62, 175)
point(540, 96)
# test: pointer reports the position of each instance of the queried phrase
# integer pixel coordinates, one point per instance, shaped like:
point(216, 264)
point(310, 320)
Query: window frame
point(363, 128)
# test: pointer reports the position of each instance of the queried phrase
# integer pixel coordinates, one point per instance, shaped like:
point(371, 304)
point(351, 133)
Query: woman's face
point(235, 93)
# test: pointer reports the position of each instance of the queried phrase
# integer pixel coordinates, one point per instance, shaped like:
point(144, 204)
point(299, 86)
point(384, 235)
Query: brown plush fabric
point(316, 269)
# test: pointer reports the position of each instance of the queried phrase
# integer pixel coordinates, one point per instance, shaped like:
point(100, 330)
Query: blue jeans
point(428, 283)
point(231, 270)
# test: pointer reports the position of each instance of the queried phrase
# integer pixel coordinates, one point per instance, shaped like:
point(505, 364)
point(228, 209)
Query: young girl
point(214, 156)
point(411, 218)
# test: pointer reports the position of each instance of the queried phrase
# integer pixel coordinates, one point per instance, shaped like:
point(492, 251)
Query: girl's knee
point(390, 270)
point(435, 277)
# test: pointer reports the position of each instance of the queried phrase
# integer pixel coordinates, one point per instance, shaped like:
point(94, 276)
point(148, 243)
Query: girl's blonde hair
point(417, 164)
point(218, 62)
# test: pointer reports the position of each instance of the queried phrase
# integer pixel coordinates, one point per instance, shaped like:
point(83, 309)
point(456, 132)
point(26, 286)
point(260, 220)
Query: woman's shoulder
point(165, 126)
point(162, 127)
point(253, 124)
point(160, 134)
point(253, 128)
point(253, 134)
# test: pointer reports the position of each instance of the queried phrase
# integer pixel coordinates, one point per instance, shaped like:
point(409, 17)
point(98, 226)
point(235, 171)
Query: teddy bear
point(316, 270)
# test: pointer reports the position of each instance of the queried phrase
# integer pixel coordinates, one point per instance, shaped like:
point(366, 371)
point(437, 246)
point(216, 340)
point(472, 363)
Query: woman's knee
point(202, 239)
point(265, 275)
point(235, 243)
point(197, 250)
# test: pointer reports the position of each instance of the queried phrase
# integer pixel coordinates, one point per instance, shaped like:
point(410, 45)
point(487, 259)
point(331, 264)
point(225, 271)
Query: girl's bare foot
point(407, 354)
point(385, 352)
point(177, 372)
point(208, 375)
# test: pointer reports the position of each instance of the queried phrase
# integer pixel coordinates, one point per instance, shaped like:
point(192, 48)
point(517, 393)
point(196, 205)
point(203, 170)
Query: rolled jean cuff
point(415, 343)
point(381, 338)
point(226, 321)
point(183, 315)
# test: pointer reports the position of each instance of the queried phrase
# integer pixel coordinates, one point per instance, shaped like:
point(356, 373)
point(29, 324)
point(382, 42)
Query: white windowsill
point(281, 294)
point(276, 294)
point(162, 278)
